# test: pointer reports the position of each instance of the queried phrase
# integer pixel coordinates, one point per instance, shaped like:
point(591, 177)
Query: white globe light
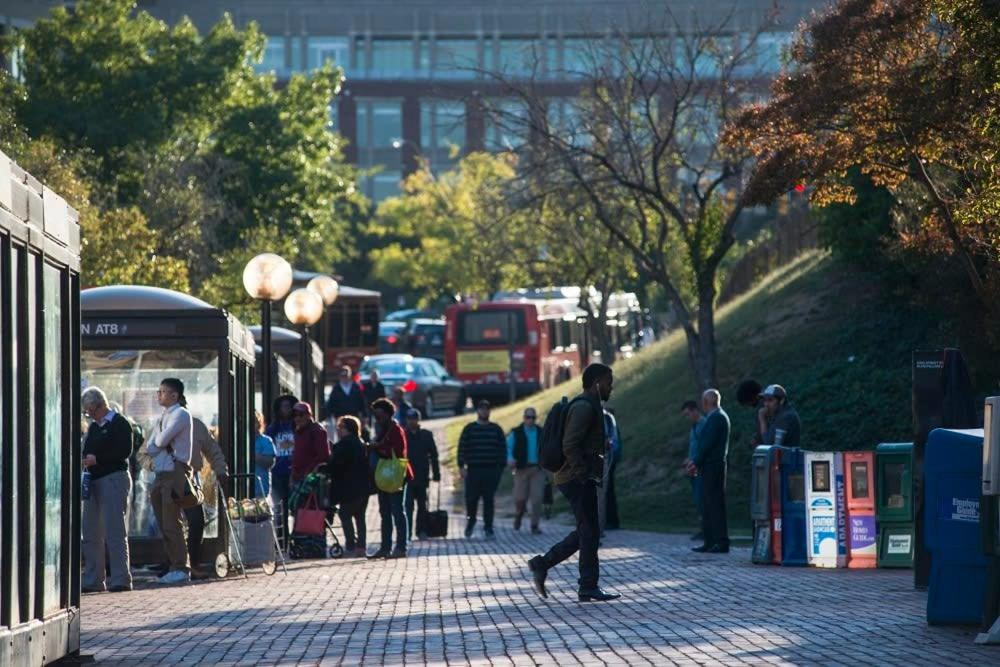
point(303, 306)
point(268, 277)
point(326, 287)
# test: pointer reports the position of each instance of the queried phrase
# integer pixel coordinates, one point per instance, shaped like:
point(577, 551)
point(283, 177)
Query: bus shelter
point(287, 344)
point(132, 338)
point(284, 378)
point(40, 431)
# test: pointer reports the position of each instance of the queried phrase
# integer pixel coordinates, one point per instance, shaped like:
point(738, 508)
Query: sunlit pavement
point(456, 601)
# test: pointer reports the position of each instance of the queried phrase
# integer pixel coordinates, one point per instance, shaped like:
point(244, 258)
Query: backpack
point(550, 444)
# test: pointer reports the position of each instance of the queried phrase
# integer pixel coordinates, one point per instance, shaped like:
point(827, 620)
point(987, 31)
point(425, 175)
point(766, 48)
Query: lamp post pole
point(328, 289)
point(304, 307)
point(267, 277)
point(267, 375)
point(305, 353)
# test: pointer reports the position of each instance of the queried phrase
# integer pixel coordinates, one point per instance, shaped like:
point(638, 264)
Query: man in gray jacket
point(203, 447)
point(169, 445)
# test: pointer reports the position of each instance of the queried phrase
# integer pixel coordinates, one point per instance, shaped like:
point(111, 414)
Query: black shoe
point(538, 575)
point(717, 549)
point(397, 553)
point(699, 536)
point(517, 521)
point(488, 533)
point(383, 552)
point(120, 589)
point(469, 525)
point(596, 595)
point(702, 549)
point(535, 530)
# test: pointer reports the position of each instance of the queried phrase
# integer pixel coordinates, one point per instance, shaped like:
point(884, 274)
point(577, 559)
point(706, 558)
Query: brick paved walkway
point(456, 601)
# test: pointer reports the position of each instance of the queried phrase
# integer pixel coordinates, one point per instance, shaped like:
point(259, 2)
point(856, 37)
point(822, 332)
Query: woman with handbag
point(391, 474)
point(348, 470)
point(312, 447)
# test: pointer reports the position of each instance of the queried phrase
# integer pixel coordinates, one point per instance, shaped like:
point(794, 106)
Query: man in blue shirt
point(693, 415)
point(529, 478)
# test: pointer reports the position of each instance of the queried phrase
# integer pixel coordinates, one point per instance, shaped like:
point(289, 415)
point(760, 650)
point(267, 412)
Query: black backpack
point(550, 444)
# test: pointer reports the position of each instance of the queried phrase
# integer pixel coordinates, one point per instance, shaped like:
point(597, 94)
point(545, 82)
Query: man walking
point(423, 456)
point(693, 415)
point(482, 452)
point(529, 478)
point(169, 446)
point(583, 446)
point(106, 452)
point(347, 398)
point(779, 421)
point(709, 463)
point(373, 388)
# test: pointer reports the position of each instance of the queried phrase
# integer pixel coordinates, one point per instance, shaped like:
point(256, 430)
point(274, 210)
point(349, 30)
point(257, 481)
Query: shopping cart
point(327, 545)
point(253, 540)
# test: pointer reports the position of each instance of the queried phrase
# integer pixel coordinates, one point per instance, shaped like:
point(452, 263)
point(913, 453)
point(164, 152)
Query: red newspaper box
point(859, 472)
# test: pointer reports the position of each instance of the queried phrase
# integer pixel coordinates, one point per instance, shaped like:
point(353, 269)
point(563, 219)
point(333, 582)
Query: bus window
point(489, 327)
point(335, 323)
point(353, 318)
point(369, 324)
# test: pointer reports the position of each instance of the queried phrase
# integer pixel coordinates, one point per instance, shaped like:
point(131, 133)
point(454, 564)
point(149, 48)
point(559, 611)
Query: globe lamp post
point(267, 278)
point(328, 290)
point(303, 308)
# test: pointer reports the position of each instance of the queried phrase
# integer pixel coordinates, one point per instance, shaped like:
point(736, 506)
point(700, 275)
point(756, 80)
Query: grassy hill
point(838, 345)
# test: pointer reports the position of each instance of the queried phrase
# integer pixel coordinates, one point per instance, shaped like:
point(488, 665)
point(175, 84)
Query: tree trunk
point(703, 362)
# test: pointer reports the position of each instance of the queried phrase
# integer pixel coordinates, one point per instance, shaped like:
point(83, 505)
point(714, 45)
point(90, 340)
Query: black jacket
point(348, 471)
point(111, 443)
point(423, 456)
point(340, 404)
point(373, 392)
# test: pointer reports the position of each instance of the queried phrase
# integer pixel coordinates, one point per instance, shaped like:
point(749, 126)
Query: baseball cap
point(775, 391)
point(413, 413)
point(304, 408)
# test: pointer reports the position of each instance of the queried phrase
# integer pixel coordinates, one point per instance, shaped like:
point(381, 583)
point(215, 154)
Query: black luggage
point(437, 521)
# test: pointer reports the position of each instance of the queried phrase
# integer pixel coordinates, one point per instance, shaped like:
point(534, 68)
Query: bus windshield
point(491, 327)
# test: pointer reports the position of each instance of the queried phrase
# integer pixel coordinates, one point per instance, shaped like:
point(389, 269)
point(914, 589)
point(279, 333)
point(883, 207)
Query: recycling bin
point(894, 504)
point(859, 490)
point(826, 530)
point(952, 487)
point(793, 507)
point(765, 504)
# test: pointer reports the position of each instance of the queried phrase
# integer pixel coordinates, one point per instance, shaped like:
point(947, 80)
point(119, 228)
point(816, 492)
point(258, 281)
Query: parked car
point(425, 338)
point(390, 336)
point(408, 314)
point(427, 385)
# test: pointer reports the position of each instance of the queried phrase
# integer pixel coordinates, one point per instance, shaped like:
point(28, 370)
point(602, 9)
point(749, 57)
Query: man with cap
point(529, 478)
point(312, 447)
point(482, 454)
point(779, 423)
point(423, 456)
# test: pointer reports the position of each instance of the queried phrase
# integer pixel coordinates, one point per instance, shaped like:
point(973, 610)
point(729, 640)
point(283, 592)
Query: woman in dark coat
point(349, 473)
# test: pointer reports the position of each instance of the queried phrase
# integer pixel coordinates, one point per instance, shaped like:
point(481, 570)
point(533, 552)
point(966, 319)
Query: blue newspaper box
point(953, 469)
point(793, 507)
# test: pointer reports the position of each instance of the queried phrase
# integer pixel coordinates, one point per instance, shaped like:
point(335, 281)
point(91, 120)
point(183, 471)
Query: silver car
point(426, 384)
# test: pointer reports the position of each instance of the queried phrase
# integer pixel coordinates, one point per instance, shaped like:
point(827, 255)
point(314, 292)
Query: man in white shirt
point(169, 445)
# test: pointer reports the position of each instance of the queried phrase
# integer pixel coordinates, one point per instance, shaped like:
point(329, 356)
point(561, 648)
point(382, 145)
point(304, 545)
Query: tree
point(455, 233)
point(906, 91)
point(641, 143)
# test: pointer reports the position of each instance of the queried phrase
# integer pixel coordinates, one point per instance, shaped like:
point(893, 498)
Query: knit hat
point(304, 408)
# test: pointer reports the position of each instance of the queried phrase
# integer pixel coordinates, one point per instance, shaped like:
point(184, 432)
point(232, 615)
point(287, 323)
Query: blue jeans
point(390, 506)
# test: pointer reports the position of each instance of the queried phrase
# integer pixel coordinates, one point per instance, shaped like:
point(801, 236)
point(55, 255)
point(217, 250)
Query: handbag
point(390, 474)
point(191, 495)
point(309, 518)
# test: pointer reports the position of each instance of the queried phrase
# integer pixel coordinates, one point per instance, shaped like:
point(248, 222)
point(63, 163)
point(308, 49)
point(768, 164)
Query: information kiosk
point(894, 508)
point(859, 476)
point(133, 337)
point(793, 508)
point(40, 429)
point(827, 533)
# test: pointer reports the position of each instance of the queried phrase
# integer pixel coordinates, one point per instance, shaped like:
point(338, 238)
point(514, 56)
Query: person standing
point(583, 447)
point(694, 417)
point(348, 470)
point(203, 446)
point(482, 453)
point(312, 447)
point(373, 387)
point(609, 512)
point(529, 478)
point(390, 440)
point(169, 445)
point(423, 456)
point(401, 405)
point(282, 431)
point(347, 398)
point(106, 451)
point(263, 457)
point(779, 421)
point(709, 463)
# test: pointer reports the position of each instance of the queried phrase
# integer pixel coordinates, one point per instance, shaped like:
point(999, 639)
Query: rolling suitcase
point(437, 521)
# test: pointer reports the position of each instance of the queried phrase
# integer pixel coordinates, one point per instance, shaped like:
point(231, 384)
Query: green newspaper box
point(894, 506)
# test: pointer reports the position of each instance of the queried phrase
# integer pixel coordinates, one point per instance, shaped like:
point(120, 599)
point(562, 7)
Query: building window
point(321, 50)
point(380, 123)
point(391, 58)
point(442, 132)
point(578, 58)
point(520, 57)
point(506, 125)
point(296, 54)
point(274, 57)
point(456, 59)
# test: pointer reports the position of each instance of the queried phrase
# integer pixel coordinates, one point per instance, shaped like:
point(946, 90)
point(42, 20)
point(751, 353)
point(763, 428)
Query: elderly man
point(709, 463)
point(106, 451)
point(169, 445)
point(529, 478)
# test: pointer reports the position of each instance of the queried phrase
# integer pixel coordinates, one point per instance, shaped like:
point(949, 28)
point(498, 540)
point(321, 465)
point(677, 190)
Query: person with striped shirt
point(482, 457)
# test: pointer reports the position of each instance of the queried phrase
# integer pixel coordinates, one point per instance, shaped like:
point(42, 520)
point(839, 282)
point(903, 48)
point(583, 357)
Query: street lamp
point(328, 290)
point(303, 308)
point(267, 277)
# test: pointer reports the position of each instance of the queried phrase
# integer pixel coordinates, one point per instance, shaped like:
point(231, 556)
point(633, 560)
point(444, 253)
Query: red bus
point(544, 334)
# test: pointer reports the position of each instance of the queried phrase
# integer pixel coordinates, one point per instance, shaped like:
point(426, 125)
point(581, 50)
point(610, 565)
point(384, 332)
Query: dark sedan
point(426, 383)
